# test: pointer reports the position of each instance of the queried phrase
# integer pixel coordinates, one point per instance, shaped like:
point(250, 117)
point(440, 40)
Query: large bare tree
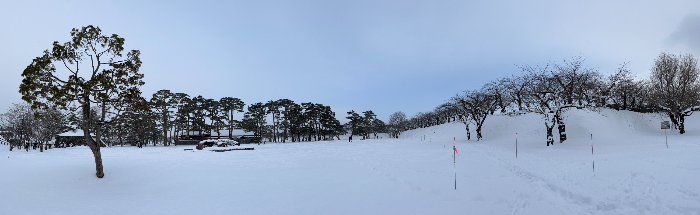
point(674, 86)
point(555, 88)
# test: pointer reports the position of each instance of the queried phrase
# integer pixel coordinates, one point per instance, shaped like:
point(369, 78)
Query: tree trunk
point(550, 135)
point(99, 125)
point(165, 127)
point(478, 128)
point(478, 132)
point(88, 139)
point(674, 120)
point(561, 128)
point(121, 144)
point(562, 132)
point(469, 134)
point(230, 126)
point(681, 123)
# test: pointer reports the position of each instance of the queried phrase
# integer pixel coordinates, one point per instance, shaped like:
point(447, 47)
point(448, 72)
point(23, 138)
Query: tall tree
point(254, 119)
point(287, 116)
point(355, 123)
point(367, 121)
point(273, 107)
point(295, 115)
point(312, 113)
point(198, 106)
point(161, 102)
point(108, 74)
point(180, 101)
point(378, 126)
point(230, 105)
point(216, 116)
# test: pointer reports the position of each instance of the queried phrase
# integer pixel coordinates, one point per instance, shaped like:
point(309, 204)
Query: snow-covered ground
point(634, 173)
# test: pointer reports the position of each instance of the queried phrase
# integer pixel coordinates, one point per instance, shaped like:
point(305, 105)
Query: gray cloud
point(688, 33)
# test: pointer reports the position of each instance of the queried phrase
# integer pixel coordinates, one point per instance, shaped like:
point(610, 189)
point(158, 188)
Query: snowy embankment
point(634, 174)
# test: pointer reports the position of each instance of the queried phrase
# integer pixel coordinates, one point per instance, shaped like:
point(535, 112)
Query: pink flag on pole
point(456, 150)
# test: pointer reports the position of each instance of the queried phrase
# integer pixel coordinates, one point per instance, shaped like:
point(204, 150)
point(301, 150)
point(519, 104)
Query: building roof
point(74, 133)
point(236, 132)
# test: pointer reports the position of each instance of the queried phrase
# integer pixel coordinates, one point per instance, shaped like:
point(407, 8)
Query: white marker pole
point(516, 145)
point(592, 154)
point(455, 163)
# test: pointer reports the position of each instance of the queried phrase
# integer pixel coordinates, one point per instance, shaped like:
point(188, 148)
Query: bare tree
point(49, 123)
point(516, 89)
point(556, 88)
point(397, 123)
point(478, 105)
point(32, 126)
point(19, 121)
point(577, 85)
point(674, 86)
point(462, 113)
point(498, 91)
point(543, 98)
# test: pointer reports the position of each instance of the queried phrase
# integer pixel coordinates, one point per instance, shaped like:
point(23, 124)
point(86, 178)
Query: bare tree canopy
point(478, 105)
point(674, 86)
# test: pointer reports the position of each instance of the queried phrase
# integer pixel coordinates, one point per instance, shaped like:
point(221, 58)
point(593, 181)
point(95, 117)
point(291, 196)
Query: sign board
point(665, 125)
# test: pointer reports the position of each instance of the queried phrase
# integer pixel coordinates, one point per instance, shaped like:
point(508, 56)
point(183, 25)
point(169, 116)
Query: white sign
point(665, 125)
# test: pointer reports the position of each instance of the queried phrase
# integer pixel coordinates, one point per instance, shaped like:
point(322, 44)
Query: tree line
point(549, 90)
point(101, 95)
point(167, 116)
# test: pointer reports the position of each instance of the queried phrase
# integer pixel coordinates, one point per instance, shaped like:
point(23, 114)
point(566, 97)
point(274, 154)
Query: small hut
point(70, 139)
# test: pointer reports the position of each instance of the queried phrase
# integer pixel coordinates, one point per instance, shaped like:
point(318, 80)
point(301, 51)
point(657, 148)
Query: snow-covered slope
point(634, 173)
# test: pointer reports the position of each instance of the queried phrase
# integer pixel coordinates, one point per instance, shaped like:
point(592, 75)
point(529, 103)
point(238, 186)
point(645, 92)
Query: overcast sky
point(384, 56)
